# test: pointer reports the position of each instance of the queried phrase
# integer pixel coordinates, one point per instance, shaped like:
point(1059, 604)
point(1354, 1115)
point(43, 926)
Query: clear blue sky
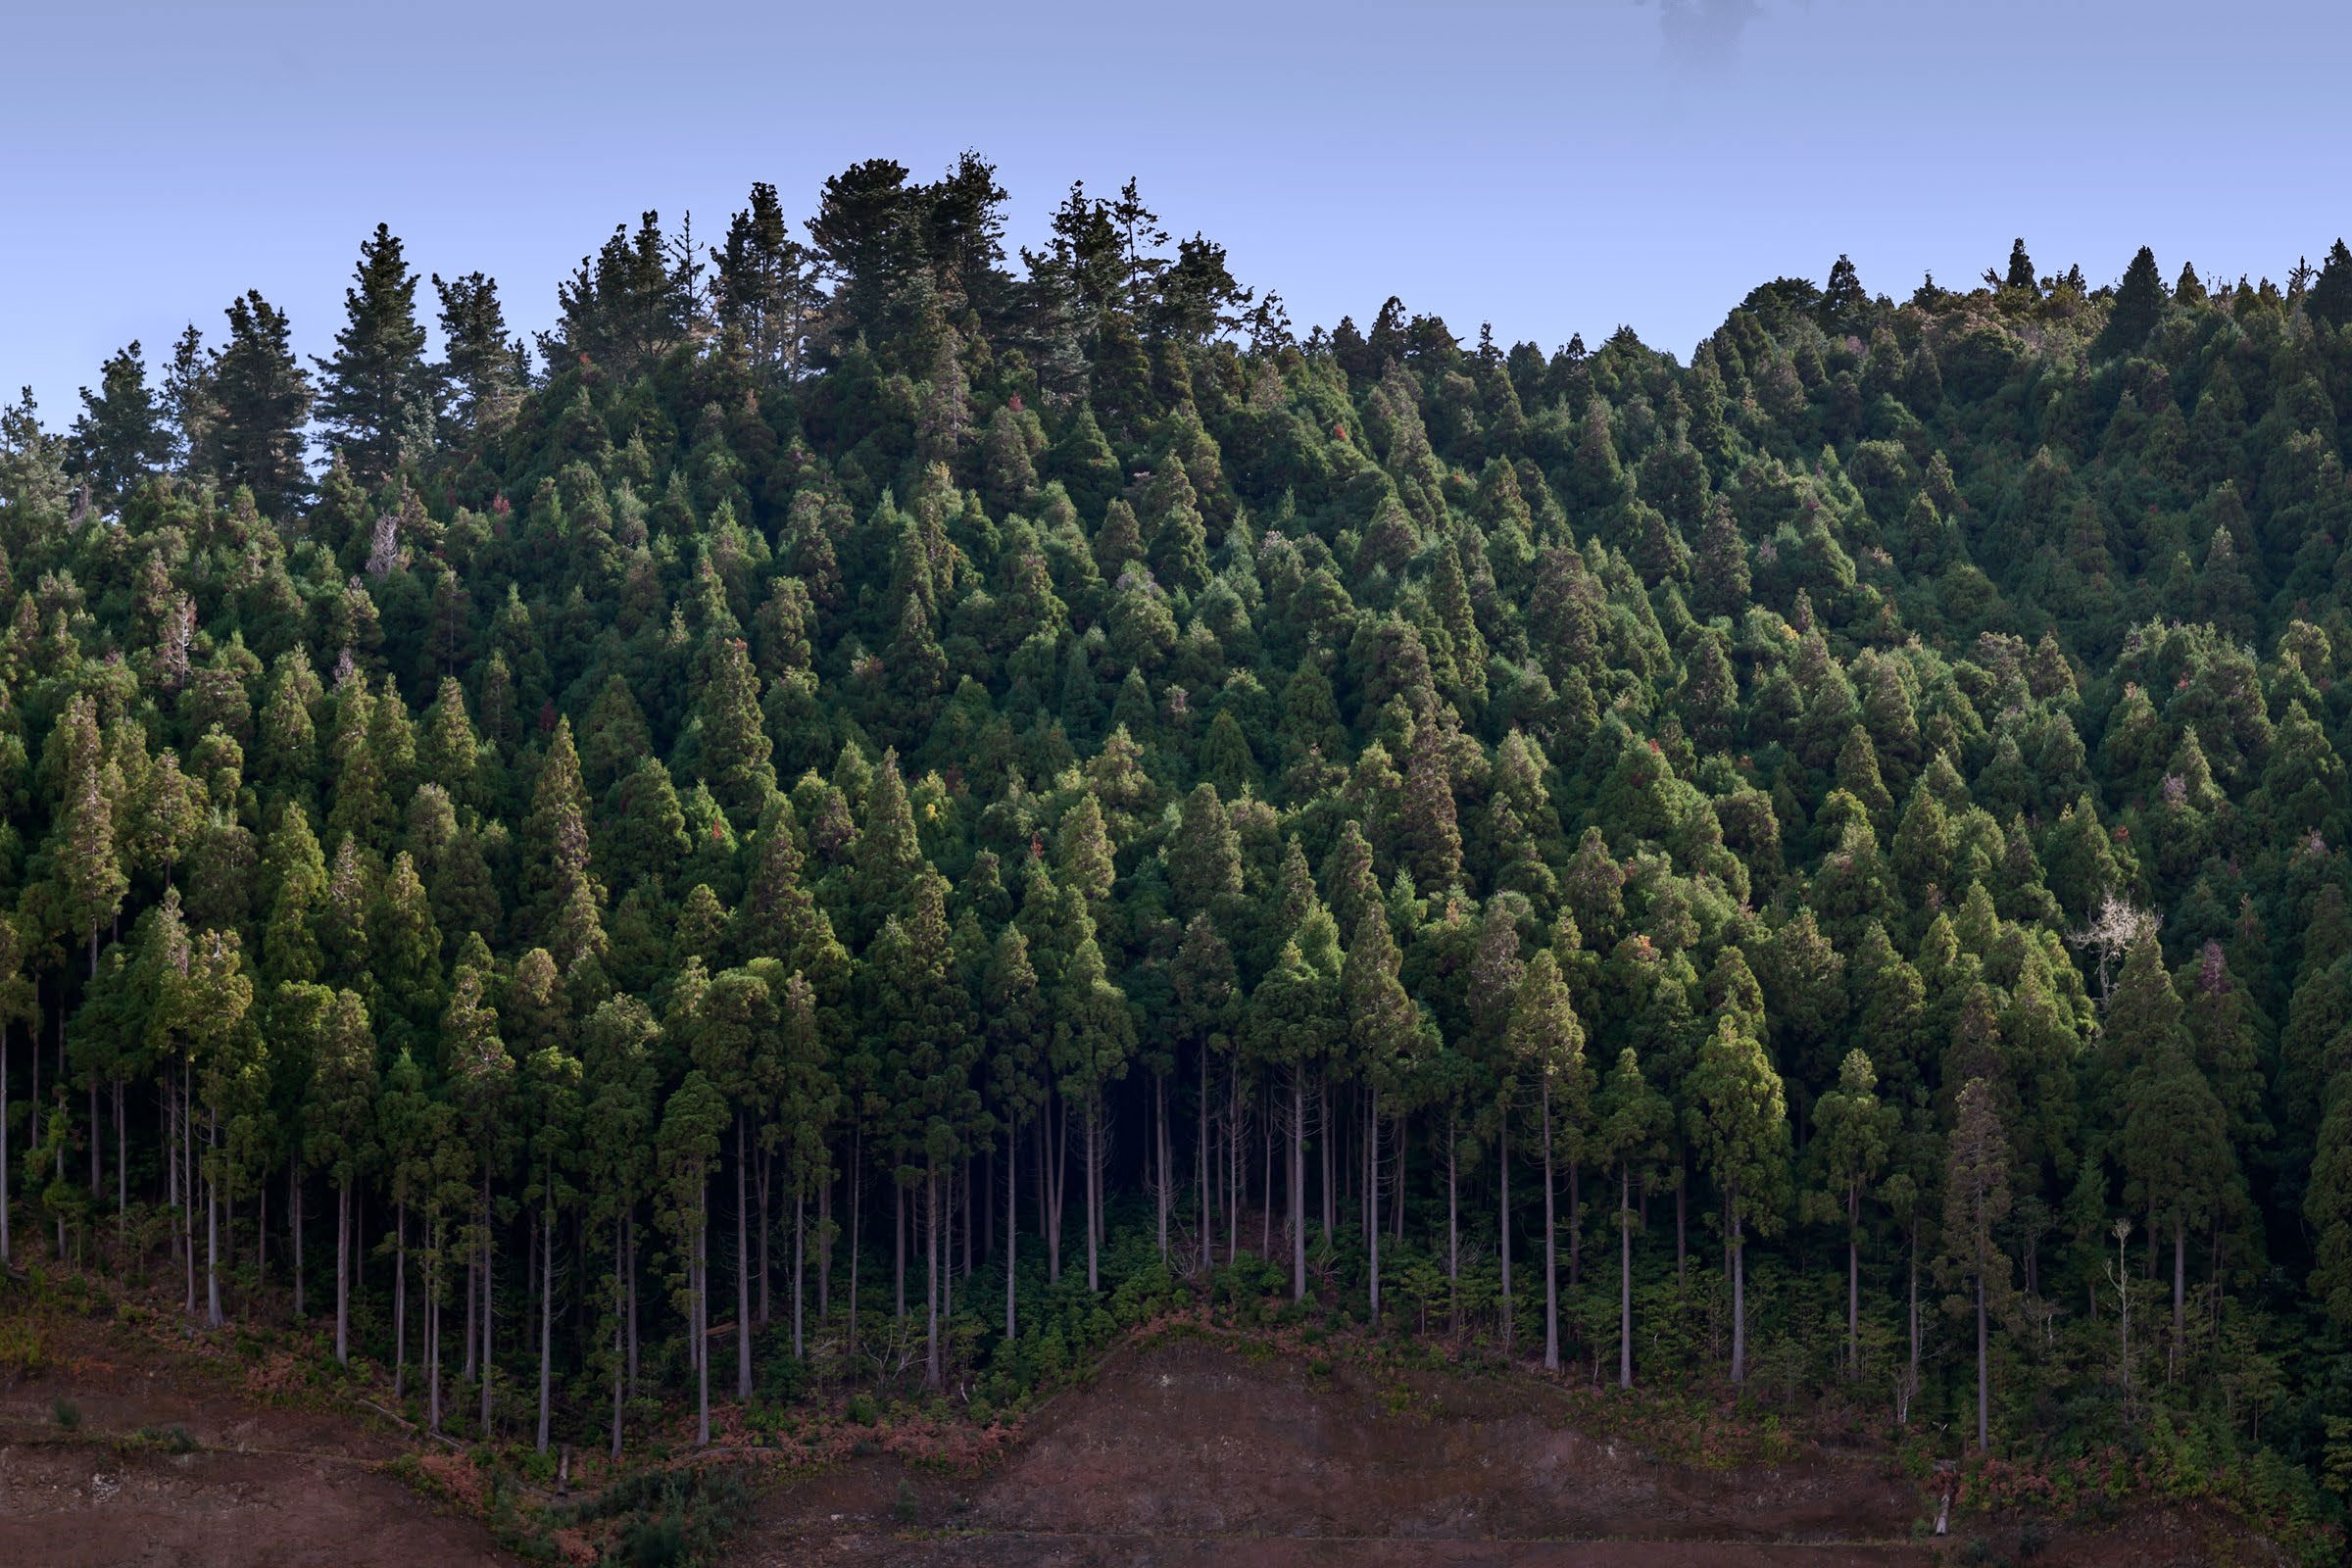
point(1554, 168)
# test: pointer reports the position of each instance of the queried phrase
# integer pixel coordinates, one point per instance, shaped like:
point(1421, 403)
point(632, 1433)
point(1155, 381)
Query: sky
point(1552, 166)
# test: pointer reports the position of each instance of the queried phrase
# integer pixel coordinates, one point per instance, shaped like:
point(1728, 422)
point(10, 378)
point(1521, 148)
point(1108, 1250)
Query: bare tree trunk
point(1372, 1197)
point(122, 1170)
point(1201, 1165)
point(856, 1216)
point(1552, 1272)
point(898, 1219)
point(2179, 1297)
point(547, 1320)
point(1625, 1277)
point(629, 1227)
point(1297, 1193)
point(1853, 1279)
point(1453, 1229)
point(824, 1232)
point(799, 1270)
point(1013, 1227)
point(1160, 1122)
point(400, 1299)
point(1738, 1291)
point(619, 1293)
point(1093, 1192)
point(1983, 1371)
point(1503, 1160)
point(931, 1279)
point(1323, 1146)
point(743, 1275)
point(7, 1247)
point(342, 1273)
point(432, 1326)
point(487, 1294)
point(766, 1172)
point(294, 1215)
point(212, 1231)
point(702, 1321)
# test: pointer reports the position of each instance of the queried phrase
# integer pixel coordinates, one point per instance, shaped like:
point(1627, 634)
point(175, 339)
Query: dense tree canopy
point(858, 735)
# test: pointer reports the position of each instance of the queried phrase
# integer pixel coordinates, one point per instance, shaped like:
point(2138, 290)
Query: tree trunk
point(294, 1228)
point(1984, 1373)
point(1576, 1223)
point(619, 1292)
point(1297, 1194)
point(1160, 1122)
point(432, 1326)
point(1682, 1219)
point(2179, 1294)
point(898, 1220)
point(1372, 1197)
point(1323, 1145)
point(1013, 1227)
point(856, 1216)
point(1625, 1277)
point(799, 1270)
point(931, 1279)
point(1201, 1165)
point(1502, 1160)
point(488, 1363)
point(743, 1264)
point(702, 1321)
point(1853, 1279)
point(547, 1320)
point(1912, 1381)
point(121, 1171)
point(1094, 1193)
point(7, 1248)
point(1552, 1271)
point(630, 1267)
point(342, 1273)
point(1454, 1232)
point(212, 1231)
point(400, 1299)
point(1738, 1291)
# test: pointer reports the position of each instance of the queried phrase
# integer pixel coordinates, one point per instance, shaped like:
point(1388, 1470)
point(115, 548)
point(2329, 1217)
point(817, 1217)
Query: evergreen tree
point(375, 395)
point(263, 400)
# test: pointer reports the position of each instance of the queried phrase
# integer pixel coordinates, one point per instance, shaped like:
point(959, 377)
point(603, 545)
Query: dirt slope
point(1190, 1453)
point(264, 1488)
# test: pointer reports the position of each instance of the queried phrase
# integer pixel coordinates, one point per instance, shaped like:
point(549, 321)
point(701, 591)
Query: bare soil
point(1182, 1454)
point(265, 1486)
point(1188, 1452)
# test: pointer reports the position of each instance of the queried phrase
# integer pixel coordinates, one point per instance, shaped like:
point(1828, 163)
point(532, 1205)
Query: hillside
point(629, 873)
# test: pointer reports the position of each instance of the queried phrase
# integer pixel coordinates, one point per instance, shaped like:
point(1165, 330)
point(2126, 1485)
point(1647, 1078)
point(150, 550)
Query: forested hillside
point(857, 757)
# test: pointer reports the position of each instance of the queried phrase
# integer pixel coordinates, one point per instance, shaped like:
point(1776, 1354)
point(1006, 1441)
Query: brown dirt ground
point(1183, 1454)
point(1187, 1454)
point(266, 1486)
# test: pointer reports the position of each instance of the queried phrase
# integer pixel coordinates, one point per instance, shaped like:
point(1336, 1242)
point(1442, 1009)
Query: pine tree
point(339, 1129)
point(693, 1123)
point(2139, 303)
point(1632, 1128)
point(375, 395)
point(120, 437)
point(485, 370)
point(263, 399)
point(1738, 1122)
point(735, 745)
point(1547, 1041)
point(1852, 1139)
point(1976, 1199)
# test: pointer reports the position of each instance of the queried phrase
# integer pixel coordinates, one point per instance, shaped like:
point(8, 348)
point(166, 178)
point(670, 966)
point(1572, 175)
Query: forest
point(626, 875)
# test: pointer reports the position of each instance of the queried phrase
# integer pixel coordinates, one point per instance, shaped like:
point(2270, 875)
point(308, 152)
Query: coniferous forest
point(878, 805)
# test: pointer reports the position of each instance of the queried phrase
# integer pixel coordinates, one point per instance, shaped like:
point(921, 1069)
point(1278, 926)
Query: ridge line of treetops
point(850, 723)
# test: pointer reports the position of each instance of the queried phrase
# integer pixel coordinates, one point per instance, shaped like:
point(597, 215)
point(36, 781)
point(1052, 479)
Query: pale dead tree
point(2114, 926)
